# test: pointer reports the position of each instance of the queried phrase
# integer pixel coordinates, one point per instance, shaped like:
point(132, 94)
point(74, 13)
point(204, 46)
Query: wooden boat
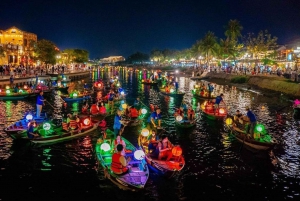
point(203, 97)
point(136, 177)
point(57, 134)
point(174, 94)
point(13, 96)
point(153, 83)
point(185, 124)
point(210, 114)
point(79, 97)
point(14, 129)
point(163, 167)
point(62, 89)
point(260, 144)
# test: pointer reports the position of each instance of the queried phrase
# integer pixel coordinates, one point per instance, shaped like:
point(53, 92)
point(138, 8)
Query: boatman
point(252, 119)
point(218, 100)
point(119, 164)
point(118, 124)
point(154, 121)
point(137, 103)
point(176, 86)
point(39, 104)
point(30, 130)
point(210, 89)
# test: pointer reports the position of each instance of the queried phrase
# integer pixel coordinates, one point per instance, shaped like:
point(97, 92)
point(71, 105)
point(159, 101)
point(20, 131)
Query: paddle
point(50, 104)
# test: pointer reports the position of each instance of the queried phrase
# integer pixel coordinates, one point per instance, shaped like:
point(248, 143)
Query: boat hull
point(185, 124)
point(203, 97)
point(150, 83)
point(178, 95)
point(14, 97)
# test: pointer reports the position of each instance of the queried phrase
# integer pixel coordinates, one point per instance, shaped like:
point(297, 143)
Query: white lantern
point(171, 90)
point(122, 93)
point(145, 132)
point(139, 155)
point(74, 95)
point(179, 118)
point(144, 111)
point(29, 117)
point(105, 146)
point(46, 126)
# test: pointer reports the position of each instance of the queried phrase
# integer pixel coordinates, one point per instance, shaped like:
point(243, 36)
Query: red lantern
point(86, 121)
point(177, 151)
point(221, 111)
point(99, 85)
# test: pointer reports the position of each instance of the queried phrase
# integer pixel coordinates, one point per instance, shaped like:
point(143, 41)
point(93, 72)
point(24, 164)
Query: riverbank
point(274, 83)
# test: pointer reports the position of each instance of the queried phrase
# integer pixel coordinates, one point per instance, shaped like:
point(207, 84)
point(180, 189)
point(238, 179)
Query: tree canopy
point(46, 51)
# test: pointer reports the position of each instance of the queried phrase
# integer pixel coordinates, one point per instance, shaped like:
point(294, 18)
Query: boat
point(14, 129)
point(51, 134)
point(162, 167)
point(75, 96)
point(203, 97)
point(185, 124)
point(153, 83)
point(63, 89)
point(263, 143)
point(172, 93)
point(13, 96)
point(209, 111)
point(138, 174)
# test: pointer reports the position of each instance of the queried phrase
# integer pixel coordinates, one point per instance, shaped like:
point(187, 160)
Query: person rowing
point(218, 100)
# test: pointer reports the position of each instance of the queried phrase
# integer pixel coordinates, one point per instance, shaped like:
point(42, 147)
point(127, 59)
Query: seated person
point(78, 122)
point(72, 124)
point(84, 108)
point(152, 141)
point(167, 89)
point(179, 112)
point(30, 130)
point(119, 164)
point(117, 141)
point(209, 107)
point(102, 108)
point(94, 109)
point(133, 112)
point(202, 92)
point(164, 149)
point(191, 114)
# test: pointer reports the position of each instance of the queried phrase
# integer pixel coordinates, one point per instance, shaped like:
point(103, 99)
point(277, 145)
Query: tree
point(2, 51)
point(209, 46)
point(138, 57)
point(233, 30)
point(46, 51)
point(156, 55)
point(80, 56)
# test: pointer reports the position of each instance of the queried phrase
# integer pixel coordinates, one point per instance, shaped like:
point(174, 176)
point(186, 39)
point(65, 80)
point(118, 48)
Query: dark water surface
point(217, 166)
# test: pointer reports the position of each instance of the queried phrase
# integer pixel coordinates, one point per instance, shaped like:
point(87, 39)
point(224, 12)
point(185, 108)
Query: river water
point(217, 166)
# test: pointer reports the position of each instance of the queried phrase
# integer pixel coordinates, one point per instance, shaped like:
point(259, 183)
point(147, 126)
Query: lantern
point(122, 92)
point(105, 146)
point(46, 126)
point(64, 78)
point(221, 111)
point(179, 118)
point(171, 90)
point(8, 91)
point(259, 127)
point(86, 121)
point(124, 106)
point(25, 87)
point(74, 95)
point(194, 90)
point(99, 84)
point(145, 132)
point(228, 121)
point(177, 151)
point(139, 155)
point(118, 84)
point(29, 117)
point(7, 87)
point(144, 111)
point(20, 91)
point(262, 107)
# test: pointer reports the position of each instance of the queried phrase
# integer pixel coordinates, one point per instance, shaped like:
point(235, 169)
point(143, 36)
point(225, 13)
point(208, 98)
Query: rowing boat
point(172, 94)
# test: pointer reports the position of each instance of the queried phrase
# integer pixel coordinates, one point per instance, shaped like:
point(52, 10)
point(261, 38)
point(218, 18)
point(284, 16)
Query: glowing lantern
point(194, 90)
point(25, 87)
point(64, 78)
point(177, 151)
point(122, 92)
point(46, 126)
point(99, 84)
point(8, 91)
point(118, 84)
point(29, 117)
point(179, 118)
point(262, 107)
point(124, 106)
point(74, 95)
point(86, 121)
point(228, 121)
point(20, 91)
point(145, 132)
point(221, 111)
point(7, 87)
point(171, 90)
point(144, 111)
point(139, 155)
point(259, 127)
point(105, 146)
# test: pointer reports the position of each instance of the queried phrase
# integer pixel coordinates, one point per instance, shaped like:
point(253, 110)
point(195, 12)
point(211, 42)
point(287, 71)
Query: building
point(17, 46)
point(112, 59)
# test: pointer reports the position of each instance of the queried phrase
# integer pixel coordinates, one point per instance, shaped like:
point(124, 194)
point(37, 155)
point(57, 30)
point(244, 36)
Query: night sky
point(118, 27)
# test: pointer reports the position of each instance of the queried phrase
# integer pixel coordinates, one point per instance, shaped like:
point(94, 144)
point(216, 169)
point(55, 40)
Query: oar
point(50, 104)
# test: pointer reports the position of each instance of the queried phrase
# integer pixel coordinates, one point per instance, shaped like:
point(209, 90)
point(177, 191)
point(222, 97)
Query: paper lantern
point(7, 87)
point(99, 84)
point(171, 90)
point(124, 106)
point(262, 107)
point(64, 78)
point(29, 117)
point(179, 118)
point(8, 91)
point(25, 87)
point(177, 151)
point(144, 111)
point(228, 121)
point(20, 91)
point(259, 127)
point(46, 126)
point(86, 121)
point(74, 95)
point(221, 111)
point(105, 146)
point(139, 155)
point(145, 132)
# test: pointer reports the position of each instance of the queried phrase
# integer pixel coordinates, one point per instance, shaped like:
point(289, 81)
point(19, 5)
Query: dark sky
point(119, 27)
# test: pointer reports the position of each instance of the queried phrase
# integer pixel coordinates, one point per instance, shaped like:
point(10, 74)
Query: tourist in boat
point(133, 113)
point(117, 124)
point(163, 149)
point(176, 86)
point(39, 104)
point(30, 130)
point(102, 108)
point(119, 164)
point(111, 97)
point(94, 109)
point(152, 108)
point(154, 120)
point(252, 124)
point(152, 141)
point(84, 109)
point(117, 141)
point(179, 112)
point(167, 89)
point(210, 89)
point(209, 107)
point(238, 119)
point(78, 122)
point(218, 100)
point(191, 114)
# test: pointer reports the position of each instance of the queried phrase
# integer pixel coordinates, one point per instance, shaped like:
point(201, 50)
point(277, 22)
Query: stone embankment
point(274, 83)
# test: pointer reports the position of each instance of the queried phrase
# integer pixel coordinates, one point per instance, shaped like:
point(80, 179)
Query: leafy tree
point(80, 56)
point(233, 30)
point(45, 51)
point(156, 55)
point(209, 46)
point(138, 57)
point(2, 51)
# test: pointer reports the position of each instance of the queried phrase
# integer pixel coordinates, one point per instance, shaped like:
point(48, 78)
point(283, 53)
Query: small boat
point(75, 97)
point(163, 167)
point(49, 135)
point(185, 124)
point(13, 96)
point(62, 89)
point(138, 174)
point(14, 129)
point(172, 94)
point(153, 83)
point(203, 97)
point(209, 112)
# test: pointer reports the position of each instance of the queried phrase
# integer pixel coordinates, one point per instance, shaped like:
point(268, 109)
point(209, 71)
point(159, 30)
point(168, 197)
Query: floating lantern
point(25, 87)
point(228, 121)
point(171, 90)
point(8, 91)
point(262, 107)
point(194, 90)
point(179, 118)
point(29, 117)
point(105, 146)
point(64, 78)
point(124, 106)
point(139, 155)
point(46, 126)
point(20, 91)
point(122, 93)
point(144, 111)
point(42, 81)
point(259, 127)
point(75, 95)
point(118, 84)
point(177, 151)
point(221, 111)
point(86, 121)
point(99, 84)
point(7, 87)
point(145, 132)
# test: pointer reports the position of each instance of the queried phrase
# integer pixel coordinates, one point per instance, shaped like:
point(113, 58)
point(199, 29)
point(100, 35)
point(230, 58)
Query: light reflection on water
point(215, 162)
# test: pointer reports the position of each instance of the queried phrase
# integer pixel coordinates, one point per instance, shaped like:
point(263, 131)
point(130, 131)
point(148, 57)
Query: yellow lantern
point(228, 121)
point(145, 132)
point(124, 106)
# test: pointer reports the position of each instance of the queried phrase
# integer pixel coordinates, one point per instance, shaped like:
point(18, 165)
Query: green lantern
point(259, 128)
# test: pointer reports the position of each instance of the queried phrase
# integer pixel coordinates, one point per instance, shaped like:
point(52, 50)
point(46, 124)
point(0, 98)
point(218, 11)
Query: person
point(119, 164)
point(152, 141)
point(238, 118)
point(176, 86)
point(154, 120)
point(167, 89)
point(111, 96)
point(252, 124)
point(85, 86)
point(30, 130)
point(191, 114)
point(84, 109)
point(133, 113)
point(39, 104)
point(94, 109)
point(210, 89)
point(117, 141)
point(78, 122)
point(102, 108)
point(218, 100)
point(137, 103)
point(117, 124)
point(179, 112)
point(11, 80)
point(163, 149)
